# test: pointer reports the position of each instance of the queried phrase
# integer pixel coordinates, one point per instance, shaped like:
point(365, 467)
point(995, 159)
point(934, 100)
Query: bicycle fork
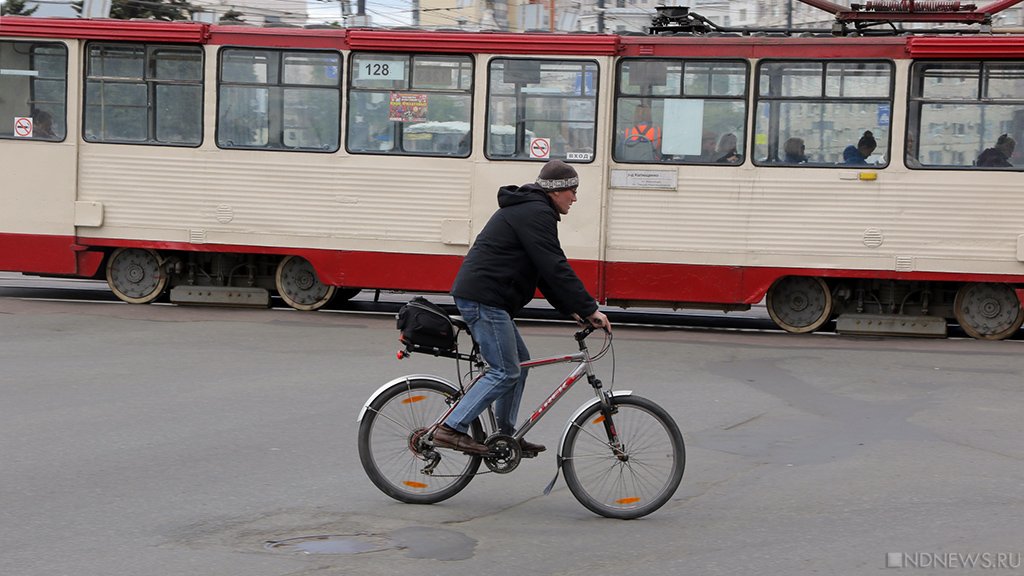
point(607, 410)
point(604, 398)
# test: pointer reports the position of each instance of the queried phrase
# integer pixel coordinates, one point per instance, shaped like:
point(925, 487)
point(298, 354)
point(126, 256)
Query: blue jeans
point(503, 349)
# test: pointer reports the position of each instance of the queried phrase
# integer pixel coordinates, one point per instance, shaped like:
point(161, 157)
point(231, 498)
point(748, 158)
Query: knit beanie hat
point(557, 175)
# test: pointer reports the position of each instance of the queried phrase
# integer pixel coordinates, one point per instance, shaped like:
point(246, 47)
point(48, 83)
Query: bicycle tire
point(648, 478)
point(386, 453)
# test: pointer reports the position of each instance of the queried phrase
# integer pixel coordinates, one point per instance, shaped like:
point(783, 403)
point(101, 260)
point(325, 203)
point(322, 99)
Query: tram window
point(813, 113)
point(279, 100)
point(33, 90)
point(705, 100)
point(967, 115)
point(547, 106)
point(410, 104)
point(144, 94)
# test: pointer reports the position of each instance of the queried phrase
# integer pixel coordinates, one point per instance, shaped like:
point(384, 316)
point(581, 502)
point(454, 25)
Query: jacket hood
point(512, 195)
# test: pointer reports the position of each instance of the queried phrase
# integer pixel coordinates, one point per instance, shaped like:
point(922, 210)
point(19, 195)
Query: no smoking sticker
point(540, 148)
point(23, 127)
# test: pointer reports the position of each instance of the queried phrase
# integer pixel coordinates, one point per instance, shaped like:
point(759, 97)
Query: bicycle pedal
point(528, 454)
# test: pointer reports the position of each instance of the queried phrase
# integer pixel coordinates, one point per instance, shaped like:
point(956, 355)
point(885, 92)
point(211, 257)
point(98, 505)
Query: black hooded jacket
point(516, 253)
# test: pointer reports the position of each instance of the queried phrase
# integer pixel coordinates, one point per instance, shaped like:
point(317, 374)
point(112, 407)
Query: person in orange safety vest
point(644, 132)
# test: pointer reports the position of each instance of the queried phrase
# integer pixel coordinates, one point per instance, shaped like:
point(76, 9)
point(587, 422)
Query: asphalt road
point(144, 440)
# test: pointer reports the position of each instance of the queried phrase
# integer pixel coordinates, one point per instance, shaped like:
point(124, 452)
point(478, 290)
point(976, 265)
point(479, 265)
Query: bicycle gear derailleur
point(424, 451)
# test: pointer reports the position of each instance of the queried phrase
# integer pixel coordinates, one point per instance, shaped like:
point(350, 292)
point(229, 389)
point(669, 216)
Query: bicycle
point(622, 455)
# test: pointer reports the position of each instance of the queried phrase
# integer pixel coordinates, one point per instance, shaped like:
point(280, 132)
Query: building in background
point(612, 16)
point(257, 12)
point(628, 16)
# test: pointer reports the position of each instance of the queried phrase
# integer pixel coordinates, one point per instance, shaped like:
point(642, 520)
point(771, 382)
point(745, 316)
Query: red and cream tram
point(867, 178)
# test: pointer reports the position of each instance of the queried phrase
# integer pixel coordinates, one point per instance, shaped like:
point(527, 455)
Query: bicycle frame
point(582, 358)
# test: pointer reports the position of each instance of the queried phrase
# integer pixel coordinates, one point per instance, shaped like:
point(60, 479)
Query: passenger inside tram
point(642, 141)
point(708, 150)
point(999, 155)
point(858, 154)
point(794, 151)
point(42, 125)
point(726, 152)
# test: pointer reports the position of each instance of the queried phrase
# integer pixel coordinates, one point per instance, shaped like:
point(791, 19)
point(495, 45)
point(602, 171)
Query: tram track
point(15, 285)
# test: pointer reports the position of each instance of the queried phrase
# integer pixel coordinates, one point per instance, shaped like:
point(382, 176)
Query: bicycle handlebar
point(582, 334)
point(587, 331)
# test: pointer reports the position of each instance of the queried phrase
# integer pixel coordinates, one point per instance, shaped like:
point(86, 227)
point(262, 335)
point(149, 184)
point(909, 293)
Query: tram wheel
point(799, 304)
point(299, 286)
point(136, 275)
point(988, 311)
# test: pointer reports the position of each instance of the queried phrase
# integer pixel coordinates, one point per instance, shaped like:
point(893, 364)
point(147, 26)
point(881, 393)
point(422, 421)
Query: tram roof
point(581, 44)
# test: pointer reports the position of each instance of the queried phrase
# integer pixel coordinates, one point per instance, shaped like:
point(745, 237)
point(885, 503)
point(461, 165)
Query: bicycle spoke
point(386, 444)
point(643, 478)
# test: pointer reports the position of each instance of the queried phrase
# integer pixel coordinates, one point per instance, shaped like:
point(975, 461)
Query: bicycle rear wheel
point(646, 474)
point(388, 451)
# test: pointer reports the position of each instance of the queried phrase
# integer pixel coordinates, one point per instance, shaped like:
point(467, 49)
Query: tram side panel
point(38, 142)
point(678, 235)
point(369, 225)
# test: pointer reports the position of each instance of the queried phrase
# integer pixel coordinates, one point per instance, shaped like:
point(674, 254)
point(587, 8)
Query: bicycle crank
point(505, 453)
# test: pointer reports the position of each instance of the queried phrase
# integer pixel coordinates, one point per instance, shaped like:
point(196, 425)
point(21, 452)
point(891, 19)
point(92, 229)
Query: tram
point(834, 174)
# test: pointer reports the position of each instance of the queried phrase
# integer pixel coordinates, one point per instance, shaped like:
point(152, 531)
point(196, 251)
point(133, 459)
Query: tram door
point(38, 139)
point(537, 109)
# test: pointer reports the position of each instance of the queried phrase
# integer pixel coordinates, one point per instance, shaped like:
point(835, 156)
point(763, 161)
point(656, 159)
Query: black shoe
point(530, 447)
point(445, 437)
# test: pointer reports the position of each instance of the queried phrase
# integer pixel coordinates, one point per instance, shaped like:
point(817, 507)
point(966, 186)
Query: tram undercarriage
point(797, 304)
point(989, 311)
point(140, 276)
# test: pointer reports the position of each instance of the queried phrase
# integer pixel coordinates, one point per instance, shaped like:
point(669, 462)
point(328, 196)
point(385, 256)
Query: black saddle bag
point(424, 324)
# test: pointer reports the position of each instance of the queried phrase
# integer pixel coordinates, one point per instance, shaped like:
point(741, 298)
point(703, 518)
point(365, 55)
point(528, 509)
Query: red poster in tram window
point(408, 107)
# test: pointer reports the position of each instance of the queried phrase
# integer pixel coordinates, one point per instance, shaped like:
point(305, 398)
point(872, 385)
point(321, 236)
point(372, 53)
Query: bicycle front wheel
point(388, 449)
point(638, 477)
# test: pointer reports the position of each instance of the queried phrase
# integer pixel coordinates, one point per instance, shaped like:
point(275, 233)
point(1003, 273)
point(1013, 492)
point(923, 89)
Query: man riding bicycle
point(516, 253)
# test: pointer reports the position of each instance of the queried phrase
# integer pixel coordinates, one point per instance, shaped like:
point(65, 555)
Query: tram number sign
point(23, 127)
point(381, 70)
point(540, 148)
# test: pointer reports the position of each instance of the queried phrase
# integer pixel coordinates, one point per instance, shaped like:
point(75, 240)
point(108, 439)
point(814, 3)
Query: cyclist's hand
point(599, 320)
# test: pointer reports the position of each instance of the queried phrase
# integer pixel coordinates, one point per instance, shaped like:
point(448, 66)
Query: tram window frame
point(685, 146)
point(368, 135)
point(828, 90)
point(153, 85)
point(928, 147)
point(33, 103)
point(588, 90)
point(271, 131)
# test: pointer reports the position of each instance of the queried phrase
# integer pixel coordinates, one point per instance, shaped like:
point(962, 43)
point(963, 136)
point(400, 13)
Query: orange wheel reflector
point(598, 420)
point(413, 484)
point(412, 399)
point(630, 500)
